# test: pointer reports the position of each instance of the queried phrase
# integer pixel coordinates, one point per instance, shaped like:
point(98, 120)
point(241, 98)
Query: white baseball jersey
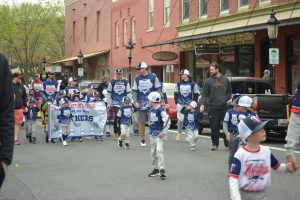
point(252, 168)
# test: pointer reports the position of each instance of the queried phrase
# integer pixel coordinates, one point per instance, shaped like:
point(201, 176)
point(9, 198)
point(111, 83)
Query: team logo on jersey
point(255, 119)
point(37, 87)
point(234, 119)
point(127, 112)
point(145, 85)
point(50, 89)
point(153, 118)
point(67, 113)
point(185, 90)
point(119, 88)
point(256, 169)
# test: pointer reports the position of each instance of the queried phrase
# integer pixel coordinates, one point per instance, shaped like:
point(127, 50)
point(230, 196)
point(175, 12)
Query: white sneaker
point(143, 144)
point(65, 143)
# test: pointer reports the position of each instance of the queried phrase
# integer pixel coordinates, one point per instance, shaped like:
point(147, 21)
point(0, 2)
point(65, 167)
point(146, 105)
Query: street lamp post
point(272, 26)
point(80, 62)
point(129, 54)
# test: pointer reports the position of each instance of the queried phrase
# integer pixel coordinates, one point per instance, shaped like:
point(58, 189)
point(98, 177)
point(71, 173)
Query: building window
point(203, 7)
point(117, 35)
point(243, 3)
point(151, 14)
point(125, 32)
point(264, 1)
point(166, 12)
point(133, 30)
point(185, 9)
point(85, 27)
point(98, 26)
point(224, 5)
point(74, 31)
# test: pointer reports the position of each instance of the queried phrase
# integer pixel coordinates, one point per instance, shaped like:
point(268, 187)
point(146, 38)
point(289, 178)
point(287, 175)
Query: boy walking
point(124, 121)
point(31, 117)
point(250, 176)
point(159, 123)
point(64, 120)
point(191, 123)
point(241, 109)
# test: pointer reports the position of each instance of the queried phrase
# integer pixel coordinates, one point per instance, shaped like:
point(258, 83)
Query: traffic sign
point(80, 72)
point(273, 56)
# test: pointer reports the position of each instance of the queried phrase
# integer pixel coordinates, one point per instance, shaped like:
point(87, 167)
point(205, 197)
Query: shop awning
point(257, 27)
point(89, 55)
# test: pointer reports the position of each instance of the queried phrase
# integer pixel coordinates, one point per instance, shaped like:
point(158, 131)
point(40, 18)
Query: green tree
point(29, 32)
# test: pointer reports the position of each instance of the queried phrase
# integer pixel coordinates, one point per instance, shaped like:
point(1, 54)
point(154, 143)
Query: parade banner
point(88, 119)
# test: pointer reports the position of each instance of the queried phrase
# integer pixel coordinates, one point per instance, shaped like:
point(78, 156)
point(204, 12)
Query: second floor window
point(151, 13)
point(133, 30)
point(185, 9)
point(166, 12)
point(224, 5)
point(117, 35)
point(203, 7)
point(125, 32)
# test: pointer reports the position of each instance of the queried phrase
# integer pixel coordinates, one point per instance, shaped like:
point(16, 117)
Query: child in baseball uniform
point(159, 123)
point(31, 117)
point(64, 120)
point(241, 109)
point(124, 121)
point(250, 173)
point(191, 123)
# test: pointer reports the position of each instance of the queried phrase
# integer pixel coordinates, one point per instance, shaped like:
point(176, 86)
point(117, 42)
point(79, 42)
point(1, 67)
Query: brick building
point(87, 28)
point(145, 22)
point(239, 27)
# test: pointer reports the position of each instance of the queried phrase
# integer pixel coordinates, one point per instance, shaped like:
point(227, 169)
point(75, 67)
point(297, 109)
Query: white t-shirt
point(252, 168)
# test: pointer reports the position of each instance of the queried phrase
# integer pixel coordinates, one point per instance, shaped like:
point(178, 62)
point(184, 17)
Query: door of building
point(291, 63)
point(159, 71)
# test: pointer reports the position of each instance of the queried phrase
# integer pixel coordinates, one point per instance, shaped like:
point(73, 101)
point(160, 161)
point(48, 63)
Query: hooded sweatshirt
point(216, 92)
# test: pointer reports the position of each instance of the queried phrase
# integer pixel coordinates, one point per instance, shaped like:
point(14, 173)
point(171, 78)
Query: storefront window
point(237, 60)
point(202, 68)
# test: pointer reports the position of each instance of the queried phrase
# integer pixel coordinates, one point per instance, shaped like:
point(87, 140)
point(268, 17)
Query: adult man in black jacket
point(216, 92)
point(6, 117)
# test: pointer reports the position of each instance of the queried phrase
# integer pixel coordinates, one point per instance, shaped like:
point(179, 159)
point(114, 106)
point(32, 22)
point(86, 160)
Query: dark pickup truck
point(268, 106)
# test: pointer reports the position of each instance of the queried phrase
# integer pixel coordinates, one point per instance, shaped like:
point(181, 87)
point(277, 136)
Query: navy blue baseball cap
point(119, 71)
point(126, 99)
point(250, 125)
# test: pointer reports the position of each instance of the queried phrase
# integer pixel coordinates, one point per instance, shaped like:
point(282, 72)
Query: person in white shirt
point(250, 173)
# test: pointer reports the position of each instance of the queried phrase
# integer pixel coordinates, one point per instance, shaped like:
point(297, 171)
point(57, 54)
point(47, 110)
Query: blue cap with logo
point(119, 71)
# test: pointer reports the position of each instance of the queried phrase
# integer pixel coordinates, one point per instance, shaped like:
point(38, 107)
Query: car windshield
point(93, 85)
point(249, 87)
point(84, 84)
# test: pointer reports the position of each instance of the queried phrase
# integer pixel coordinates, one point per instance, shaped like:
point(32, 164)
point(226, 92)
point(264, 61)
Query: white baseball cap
point(244, 101)
point(184, 72)
point(142, 65)
point(193, 104)
point(154, 97)
point(250, 125)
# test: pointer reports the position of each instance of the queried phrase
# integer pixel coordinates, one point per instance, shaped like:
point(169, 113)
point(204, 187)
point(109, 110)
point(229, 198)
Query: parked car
point(170, 87)
point(268, 106)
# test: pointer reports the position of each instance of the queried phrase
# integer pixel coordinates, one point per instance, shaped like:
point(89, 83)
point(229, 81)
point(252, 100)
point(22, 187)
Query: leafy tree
point(31, 31)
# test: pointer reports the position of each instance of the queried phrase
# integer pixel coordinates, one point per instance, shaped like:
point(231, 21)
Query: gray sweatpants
point(233, 145)
point(245, 195)
point(180, 118)
point(193, 136)
point(157, 149)
point(30, 128)
point(125, 133)
point(293, 134)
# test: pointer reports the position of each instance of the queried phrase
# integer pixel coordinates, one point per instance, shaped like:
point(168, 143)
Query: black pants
point(2, 174)
point(116, 129)
point(216, 117)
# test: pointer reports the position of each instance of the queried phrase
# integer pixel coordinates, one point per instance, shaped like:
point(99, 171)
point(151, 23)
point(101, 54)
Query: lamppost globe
point(272, 26)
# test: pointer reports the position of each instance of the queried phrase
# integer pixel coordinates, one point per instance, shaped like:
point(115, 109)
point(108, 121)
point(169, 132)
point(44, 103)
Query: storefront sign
point(273, 56)
point(207, 49)
point(80, 72)
point(165, 56)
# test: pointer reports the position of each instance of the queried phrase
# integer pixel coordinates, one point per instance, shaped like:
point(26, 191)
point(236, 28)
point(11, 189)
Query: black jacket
point(20, 96)
point(6, 112)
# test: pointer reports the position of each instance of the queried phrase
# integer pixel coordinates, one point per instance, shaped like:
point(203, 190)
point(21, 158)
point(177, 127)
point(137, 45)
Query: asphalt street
point(102, 170)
